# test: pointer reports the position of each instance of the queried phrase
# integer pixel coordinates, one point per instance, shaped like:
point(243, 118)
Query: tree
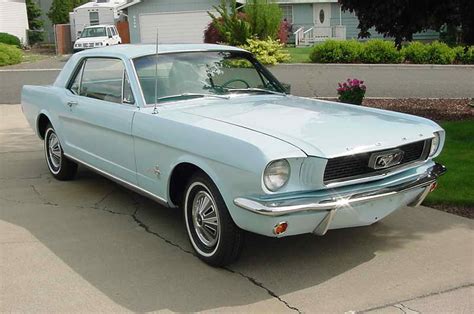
point(59, 11)
point(264, 17)
point(403, 18)
point(35, 23)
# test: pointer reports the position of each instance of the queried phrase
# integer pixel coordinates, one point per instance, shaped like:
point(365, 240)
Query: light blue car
point(208, 129)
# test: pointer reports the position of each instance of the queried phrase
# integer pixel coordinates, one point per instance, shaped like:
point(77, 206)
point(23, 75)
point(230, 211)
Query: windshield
point(202, 74)
point(93, 32)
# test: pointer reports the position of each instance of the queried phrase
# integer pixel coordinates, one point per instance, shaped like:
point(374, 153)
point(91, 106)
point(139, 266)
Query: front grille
point(351, 167)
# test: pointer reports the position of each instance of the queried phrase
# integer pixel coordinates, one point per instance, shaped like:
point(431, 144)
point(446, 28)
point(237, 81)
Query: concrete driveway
point(91, 245)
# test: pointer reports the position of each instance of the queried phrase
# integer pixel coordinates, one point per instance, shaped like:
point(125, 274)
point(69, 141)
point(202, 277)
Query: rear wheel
point(58, 164)
point(212, 232)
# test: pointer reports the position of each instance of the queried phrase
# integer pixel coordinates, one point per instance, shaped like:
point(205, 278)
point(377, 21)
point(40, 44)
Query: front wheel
point(58, 164)
point(212, 232)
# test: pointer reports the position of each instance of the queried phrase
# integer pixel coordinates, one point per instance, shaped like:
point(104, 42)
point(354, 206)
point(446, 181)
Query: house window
point(287, 10)
point(93, 18)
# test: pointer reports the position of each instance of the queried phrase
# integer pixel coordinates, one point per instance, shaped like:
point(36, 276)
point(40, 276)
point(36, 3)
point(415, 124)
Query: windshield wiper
point(191, 95)
point(257, 90)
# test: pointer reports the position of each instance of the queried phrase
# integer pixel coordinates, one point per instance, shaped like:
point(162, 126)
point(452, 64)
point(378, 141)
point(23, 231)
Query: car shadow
point(136, 252)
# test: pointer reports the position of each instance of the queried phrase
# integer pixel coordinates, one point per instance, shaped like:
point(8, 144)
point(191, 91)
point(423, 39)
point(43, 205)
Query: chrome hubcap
point(205, 219)
point(54, 150)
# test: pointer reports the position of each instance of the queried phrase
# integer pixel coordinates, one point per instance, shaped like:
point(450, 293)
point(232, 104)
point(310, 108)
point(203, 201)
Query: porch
point(311, 35)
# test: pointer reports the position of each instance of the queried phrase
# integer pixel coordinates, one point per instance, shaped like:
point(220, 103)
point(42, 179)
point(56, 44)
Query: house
point(184, 21)
point(13, 19)
point(318, 20)
point(177, 21)
point(92, 13)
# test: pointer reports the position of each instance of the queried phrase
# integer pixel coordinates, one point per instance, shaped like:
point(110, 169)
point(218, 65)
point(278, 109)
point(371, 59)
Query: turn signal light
point(433, 186)
point(280, 228)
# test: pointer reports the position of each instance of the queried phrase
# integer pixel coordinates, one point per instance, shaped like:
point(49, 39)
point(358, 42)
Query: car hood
point(319, 128)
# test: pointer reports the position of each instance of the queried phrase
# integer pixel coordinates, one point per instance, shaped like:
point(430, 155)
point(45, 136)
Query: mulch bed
point(463, 211)
point(434, 109)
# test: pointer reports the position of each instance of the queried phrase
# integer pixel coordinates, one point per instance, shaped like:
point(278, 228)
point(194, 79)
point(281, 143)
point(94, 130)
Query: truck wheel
point(59, 165)
point(212, 232)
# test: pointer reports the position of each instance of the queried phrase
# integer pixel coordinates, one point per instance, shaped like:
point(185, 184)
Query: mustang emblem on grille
point(386, 159)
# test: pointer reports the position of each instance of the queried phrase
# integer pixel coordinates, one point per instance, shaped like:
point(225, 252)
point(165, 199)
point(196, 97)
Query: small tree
point(230, 24)
point(264, 17)
point(59, 11)
point(35, 23)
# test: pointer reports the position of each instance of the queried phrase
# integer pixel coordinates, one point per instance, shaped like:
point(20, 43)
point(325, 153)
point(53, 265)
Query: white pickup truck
point(97, 36)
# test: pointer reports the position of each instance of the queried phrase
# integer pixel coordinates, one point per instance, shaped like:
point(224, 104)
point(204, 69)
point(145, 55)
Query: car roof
point(131, 51)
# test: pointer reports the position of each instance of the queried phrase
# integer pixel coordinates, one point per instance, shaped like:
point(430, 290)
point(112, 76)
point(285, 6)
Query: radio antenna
point(156, 74)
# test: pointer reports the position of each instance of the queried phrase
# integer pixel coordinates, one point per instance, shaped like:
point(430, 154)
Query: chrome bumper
point(291, 206)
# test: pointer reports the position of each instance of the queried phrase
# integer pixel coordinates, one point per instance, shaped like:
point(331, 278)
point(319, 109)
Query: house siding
point(13, 19)
point(161, 6)
point(302, 15)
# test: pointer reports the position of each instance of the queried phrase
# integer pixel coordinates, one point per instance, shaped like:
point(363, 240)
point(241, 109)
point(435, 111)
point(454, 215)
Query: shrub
point(380, 51)
point(268, 51)
point(440, 53)
point(415, 52)
point(264, 17)
point(9, 39)
point(468, 57)
point(332, 51)
point(212, 34)
point(231, 26)
point(351, 92)
point(9, 54)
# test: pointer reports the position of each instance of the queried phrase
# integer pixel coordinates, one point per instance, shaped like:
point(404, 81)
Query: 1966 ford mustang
point(208, 129)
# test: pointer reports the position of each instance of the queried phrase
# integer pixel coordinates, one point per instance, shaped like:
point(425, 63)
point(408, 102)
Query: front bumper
point(332, 202)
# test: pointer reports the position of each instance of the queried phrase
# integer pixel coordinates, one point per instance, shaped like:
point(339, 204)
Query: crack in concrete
point(41, 197)
point(417, 298)
point(147, 229)
point(262, 286)
point(405, 309)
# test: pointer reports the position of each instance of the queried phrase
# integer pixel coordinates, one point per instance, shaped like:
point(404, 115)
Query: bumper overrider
point(330, 204)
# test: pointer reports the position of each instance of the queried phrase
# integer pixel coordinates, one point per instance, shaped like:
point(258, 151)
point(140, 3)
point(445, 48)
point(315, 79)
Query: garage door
point(174, 27)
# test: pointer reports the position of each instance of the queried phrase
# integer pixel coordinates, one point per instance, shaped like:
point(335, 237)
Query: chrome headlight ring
point(276, 174)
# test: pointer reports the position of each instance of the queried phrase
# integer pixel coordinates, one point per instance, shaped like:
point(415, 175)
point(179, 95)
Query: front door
point(322, 20)
point(98, 122)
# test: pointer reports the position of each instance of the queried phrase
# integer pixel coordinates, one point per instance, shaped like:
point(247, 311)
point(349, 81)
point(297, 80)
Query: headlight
point(276, 174)
point(434, 144)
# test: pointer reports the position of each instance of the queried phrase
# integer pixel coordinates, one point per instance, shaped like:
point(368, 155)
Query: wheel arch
point(180, 174)
point(42, 122)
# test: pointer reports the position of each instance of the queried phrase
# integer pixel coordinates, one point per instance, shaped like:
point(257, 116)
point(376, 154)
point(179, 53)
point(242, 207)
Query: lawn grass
point(29, 56)
point(456, 187)
point(299, 55)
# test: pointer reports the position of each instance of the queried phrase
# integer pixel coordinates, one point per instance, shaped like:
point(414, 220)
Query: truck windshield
point(207, 74)
point(93, 32)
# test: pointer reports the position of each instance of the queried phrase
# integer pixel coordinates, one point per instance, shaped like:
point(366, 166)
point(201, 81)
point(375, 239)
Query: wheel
point(212, 232)
point(59, 165)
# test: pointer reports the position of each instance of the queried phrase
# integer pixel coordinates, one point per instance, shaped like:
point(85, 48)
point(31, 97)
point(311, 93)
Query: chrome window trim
point(129, 185)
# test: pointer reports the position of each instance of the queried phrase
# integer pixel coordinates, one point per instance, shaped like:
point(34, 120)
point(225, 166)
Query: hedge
point(383, 51)
point(9, 54)
point(9, 39)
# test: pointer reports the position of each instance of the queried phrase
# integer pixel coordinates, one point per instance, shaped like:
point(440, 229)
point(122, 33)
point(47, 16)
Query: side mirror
point(110, 36)
point(286, 87)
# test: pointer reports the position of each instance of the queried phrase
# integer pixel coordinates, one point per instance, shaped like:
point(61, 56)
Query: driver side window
point(103, 79)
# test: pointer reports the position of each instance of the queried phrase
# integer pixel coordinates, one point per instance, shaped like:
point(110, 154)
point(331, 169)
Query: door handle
point(72, 103)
